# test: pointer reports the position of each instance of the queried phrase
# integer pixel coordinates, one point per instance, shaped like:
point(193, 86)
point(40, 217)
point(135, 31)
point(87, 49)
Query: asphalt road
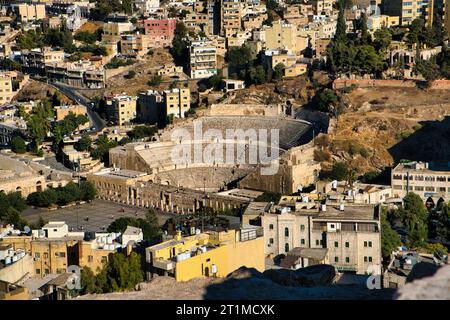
point(75, 96)
point(100, 214)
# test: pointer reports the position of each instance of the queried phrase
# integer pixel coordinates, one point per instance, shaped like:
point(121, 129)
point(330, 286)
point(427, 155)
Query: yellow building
point(209, 254)
point(122, 109)
point(177, 101)
point(6, 88)
point(409, 10)
point(28, 12)
point(284, 36)
point(113, 30)
point(10, 84)
point(51, 255)
point(93, 257)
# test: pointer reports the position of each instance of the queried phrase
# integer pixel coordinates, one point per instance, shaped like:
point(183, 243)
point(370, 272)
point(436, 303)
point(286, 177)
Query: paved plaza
point(95, 216)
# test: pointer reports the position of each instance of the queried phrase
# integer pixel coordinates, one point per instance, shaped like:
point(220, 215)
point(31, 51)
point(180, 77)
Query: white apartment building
point(428, 180)
point(350, 233)
point(202, 59)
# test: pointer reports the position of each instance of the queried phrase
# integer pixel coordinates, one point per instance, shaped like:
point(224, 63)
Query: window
point(271, 226)
point(37, 255)
point(302, 227)
point(271, 240)
point(370, 259)
point(347, 244)
point(45, 255)
point(47, 271)
point(104, 259)
point(336, 259)
point(286, 232)
point(302, 241)
point(365, 244)
point(38, 271)
point(90, 258)
point(317, 242)
point(347, 259)
point(365, 259)
point(336, 244)
point(286, 247)
point(370, 244)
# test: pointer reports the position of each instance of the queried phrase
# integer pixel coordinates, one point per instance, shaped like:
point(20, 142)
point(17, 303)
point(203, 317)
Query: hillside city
point(224, 149)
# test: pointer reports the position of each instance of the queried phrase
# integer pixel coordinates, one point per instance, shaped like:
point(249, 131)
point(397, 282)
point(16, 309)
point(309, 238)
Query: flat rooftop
point(350, 212)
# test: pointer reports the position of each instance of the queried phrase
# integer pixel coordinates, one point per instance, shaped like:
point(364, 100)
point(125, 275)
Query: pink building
point(160, 31)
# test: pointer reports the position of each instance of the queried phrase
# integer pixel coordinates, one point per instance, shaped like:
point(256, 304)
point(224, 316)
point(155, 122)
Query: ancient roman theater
point(248, 146)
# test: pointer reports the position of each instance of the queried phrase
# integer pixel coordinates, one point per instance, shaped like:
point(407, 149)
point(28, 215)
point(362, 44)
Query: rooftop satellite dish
point(27, 229)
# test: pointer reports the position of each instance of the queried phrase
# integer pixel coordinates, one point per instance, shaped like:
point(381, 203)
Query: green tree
point(269, 197)
point(215, 81)
point(43, 199)
point(101, 151)
point(85, 37)
point(38, 124)
point(326, 100)
point(84, 144)
point(278, 71)
point(142, 131)
point(340, 171)
point(69, 193)
point(131, 74)
point(365, 35)
point(155, 80)
point(341, 28)
point(88, 281)
point(238, 55)
point(414, 216)
point(383, 39)
point(179, 43)
point(87, 190)
point(390, 240)
point(18, 145)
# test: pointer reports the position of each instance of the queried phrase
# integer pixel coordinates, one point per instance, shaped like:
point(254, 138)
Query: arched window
point(286, 247)
point(286, 232)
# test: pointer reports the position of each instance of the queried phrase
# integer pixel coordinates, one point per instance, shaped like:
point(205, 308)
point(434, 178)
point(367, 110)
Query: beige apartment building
point(177, 102)
point(409, 10)
point(38, 58)
point(112, 31)
point(122, 109)
point(6, 88)
point(230, 16)
point(322, 6)
point(284, 36)
point(428, 180)
point(351, 234)
point(28, 12)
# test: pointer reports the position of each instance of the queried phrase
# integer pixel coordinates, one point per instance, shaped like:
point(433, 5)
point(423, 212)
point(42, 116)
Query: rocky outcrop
point(317, 275)
point(429, 288)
